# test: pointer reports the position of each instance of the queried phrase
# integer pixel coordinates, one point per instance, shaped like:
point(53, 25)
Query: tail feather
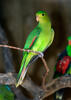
point(24, 68)
point(22, 72)
point(59, 95)
point(21, 77)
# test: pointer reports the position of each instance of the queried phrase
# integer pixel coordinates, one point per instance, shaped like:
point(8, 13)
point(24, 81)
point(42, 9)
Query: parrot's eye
point(43, 14)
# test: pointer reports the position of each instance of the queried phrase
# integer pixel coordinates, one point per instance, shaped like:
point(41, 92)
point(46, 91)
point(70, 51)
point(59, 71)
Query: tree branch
point(56, 84)
point(21, 49)
point(40, 54)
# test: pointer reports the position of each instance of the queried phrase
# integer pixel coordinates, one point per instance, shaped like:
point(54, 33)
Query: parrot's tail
point(22, 71)
point(59, 95)
point(21, 76)
point(24, 67)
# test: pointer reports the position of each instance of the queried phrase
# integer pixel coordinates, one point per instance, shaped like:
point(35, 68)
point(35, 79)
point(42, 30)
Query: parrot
point(38, 40)
point(6, 93)
point(63, 68)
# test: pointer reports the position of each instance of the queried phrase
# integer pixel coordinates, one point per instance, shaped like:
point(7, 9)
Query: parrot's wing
point(32, 38)
point(30, 42)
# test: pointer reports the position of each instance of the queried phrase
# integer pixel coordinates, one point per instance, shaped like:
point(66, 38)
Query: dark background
point(18, 19)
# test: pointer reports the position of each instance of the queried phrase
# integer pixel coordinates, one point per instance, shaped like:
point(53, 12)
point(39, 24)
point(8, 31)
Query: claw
point(40, 54)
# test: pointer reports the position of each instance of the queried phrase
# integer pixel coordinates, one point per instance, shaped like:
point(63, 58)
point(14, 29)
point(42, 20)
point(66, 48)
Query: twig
point(47, 70)
point(20, 49)
point(27, 50)
point(45, 64)
point(52, 87)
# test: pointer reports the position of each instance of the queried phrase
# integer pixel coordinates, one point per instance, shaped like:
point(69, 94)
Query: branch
point(56, 84)
point(40, 54)
point(21, 49)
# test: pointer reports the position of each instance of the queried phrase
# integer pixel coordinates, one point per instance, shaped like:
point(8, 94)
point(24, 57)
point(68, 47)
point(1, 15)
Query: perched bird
point(6, 93)
point(63, 67)
point(38, 40)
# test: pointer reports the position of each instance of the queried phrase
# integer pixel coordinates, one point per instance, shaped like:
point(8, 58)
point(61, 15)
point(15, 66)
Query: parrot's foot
point(44, 81)
point(40, 54)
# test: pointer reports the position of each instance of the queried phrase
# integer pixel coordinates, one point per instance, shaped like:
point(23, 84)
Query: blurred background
point(17, 17)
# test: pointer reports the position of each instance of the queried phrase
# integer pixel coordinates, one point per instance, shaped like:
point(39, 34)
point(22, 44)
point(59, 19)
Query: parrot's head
point(42, 16)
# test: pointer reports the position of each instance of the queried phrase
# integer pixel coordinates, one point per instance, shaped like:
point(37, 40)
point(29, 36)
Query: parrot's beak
point(37, 18)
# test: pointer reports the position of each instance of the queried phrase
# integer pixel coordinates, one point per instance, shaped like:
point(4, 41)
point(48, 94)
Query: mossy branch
point(36, 91)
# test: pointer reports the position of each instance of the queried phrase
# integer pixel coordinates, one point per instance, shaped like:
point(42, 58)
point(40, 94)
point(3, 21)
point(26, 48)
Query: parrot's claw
point(40, 54)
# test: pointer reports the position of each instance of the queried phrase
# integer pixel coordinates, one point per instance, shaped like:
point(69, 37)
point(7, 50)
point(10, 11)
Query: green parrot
point(38, 40)
point(6, 93)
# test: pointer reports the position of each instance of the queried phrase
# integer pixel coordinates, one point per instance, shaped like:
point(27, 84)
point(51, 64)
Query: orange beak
point(37, 18)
